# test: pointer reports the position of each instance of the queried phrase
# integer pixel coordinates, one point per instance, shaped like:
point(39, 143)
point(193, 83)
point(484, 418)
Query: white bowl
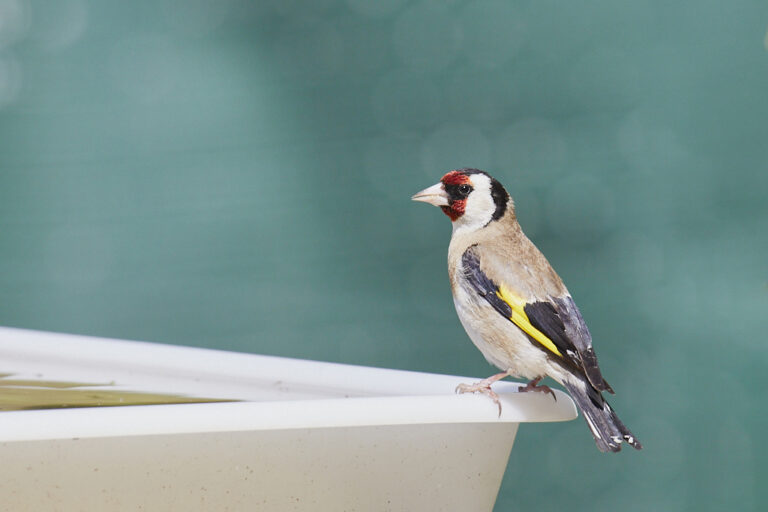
point(305, 435)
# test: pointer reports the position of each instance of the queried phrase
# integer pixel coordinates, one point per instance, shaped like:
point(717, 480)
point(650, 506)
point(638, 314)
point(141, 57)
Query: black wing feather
point(482, 283)
point(558, 319)
point(561, 321)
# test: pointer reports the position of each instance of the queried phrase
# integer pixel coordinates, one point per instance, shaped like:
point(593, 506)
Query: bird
point(514, 306)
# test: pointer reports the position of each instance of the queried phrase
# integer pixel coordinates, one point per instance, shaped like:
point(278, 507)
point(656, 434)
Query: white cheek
point(480, 206)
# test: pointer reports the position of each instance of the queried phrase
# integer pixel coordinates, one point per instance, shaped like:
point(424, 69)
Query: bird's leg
point(484, 387)
point(534, 386)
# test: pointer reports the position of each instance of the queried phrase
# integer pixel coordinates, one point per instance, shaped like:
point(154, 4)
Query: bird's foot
point(484, 387)
point(534, 386)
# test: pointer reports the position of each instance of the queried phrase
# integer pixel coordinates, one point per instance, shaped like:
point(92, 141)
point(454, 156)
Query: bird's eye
point(464, 190)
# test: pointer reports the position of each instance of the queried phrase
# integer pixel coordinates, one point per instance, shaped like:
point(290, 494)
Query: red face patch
point(455, 178)
point(456, 209)
point(457, 206)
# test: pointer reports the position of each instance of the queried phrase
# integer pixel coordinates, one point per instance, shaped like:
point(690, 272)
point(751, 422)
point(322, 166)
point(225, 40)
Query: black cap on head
point(498, 193)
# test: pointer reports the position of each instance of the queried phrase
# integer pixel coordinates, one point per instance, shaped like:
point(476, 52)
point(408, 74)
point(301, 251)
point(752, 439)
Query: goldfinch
point(513, 305)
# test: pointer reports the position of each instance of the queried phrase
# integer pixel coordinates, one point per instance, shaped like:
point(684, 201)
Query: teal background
point(238, 175)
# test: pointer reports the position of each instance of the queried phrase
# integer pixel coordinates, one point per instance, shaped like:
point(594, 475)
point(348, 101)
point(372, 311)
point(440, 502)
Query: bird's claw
point(483, 387)
point(534, 386)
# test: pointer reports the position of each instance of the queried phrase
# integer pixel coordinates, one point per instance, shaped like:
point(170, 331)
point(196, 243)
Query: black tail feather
point(607, 429)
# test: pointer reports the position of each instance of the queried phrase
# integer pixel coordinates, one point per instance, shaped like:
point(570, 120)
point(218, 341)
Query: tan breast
point(507, 256)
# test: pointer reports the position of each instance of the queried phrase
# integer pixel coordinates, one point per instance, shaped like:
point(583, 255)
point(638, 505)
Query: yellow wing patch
point(520, 319)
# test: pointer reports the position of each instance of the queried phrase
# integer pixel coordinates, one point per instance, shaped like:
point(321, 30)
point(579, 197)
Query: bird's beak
point(433, 195)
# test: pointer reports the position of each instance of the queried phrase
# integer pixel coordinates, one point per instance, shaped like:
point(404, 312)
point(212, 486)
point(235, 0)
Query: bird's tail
point(607, 429)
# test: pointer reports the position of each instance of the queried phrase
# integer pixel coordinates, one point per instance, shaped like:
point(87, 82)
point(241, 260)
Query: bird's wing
point(554, 323)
